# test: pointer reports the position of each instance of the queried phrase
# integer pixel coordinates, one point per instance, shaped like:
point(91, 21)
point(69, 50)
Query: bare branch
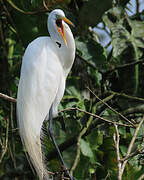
point(96, 116)
point(116, 141)
point(131, 145)
point(45, 5)
point(18, 173)
point(121, 163)
point(78, 144)
point(77, 155)
point(133, 110)
point(26, 12)
point(4, 144)
point(127, 96)
point(87, 62)
point(124, 66)
point(123, 117)
point(137, 6)
point(138, 151)
point(141, 177)
point(8, 98)
point(12, 22)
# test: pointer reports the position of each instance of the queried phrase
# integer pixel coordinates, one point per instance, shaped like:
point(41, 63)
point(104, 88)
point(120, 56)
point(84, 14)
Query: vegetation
point(100, 127)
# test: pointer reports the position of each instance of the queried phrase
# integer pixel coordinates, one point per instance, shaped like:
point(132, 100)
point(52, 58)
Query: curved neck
point(66, 53)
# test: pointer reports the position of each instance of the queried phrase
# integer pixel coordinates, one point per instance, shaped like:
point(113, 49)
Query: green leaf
point(70, 104)
point(122, 130)
point(138, 32)
point(95, 139)
point(30, 27)
point(85, 149)
point(73, 92)
point(81, 105)
point(123, 150)
point(132, 131)
point(91, 51)
point(127, 45)
point(92, 11)
point(125, 32)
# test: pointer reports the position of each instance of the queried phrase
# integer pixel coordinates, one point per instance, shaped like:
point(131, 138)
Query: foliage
point(86, 128)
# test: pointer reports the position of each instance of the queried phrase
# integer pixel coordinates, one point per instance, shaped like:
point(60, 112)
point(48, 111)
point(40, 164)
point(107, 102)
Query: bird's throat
point(61, 31)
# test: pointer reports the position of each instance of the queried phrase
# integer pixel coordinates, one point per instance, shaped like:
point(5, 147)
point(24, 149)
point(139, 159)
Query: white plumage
point(46, 64)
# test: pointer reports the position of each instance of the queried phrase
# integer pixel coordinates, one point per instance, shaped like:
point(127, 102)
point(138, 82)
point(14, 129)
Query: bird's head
point(56, 22)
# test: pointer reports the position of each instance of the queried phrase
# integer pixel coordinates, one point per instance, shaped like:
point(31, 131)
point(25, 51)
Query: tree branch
point(121, 163)
point(96, 116)
point(130, 146)
point(132, 110)
point(87, 62)
point(141, 177)
point(26, 12)
point(18, 173)
point(127, 96)
point(8, 98)
point(68, 143)
point(119, 114)
point(138, 151)
point(116, 138)
point(78, 144)
point(123, 66)
point(4, 145)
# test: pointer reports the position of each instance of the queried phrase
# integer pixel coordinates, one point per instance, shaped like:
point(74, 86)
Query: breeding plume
point(45, 66)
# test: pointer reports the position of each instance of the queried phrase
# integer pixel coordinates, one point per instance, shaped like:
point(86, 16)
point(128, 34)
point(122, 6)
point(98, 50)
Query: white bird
point(45, 66)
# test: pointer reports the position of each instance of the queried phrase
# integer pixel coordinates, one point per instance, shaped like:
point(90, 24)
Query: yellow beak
point(61, 29)
point(68, 21)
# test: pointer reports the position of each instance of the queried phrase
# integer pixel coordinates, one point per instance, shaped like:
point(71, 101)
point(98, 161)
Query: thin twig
point(127, 96)
point(87, 62)
point(108, 98)
point(133, 110)
point(138, 151)
point(12, 22)
point(26, 12)
point(2, 38)
point(5, 144)
point(131, 145)
point(116, 138)
point(54, 174)
point(107, 176)
point(45, 5)
point(121, 163)
point(18, 173)
point(137, 6)
point(124, 66)
point(113, 69)
point(96, 116)
point(73, 140)
point(78, 144)
point(77, 155)
point(123, 117)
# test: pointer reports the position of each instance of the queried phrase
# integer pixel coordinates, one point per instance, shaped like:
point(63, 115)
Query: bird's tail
point(31, 138)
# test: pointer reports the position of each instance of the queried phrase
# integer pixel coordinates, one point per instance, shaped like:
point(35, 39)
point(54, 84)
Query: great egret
point(46, 64)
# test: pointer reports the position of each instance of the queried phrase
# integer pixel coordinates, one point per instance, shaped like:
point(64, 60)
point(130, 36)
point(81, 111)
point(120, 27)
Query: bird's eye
point(59, 22)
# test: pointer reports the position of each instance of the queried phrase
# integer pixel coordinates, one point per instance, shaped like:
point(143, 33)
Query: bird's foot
point(72, 178)
point(68, 174)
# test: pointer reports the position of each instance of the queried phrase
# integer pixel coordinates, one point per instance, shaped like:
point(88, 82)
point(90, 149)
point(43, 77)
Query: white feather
point(44, 70)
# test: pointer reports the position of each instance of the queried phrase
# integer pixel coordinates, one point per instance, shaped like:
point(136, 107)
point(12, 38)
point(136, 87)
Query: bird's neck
point(66, 52)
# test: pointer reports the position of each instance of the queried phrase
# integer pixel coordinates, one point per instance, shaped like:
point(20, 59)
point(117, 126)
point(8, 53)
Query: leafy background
point(101, 111)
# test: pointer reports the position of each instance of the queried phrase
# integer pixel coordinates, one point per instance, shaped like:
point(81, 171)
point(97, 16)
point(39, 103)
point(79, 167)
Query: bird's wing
point(39, 86)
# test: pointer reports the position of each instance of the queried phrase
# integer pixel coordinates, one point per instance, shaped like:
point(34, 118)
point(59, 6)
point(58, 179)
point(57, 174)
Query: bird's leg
point(51, 133)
